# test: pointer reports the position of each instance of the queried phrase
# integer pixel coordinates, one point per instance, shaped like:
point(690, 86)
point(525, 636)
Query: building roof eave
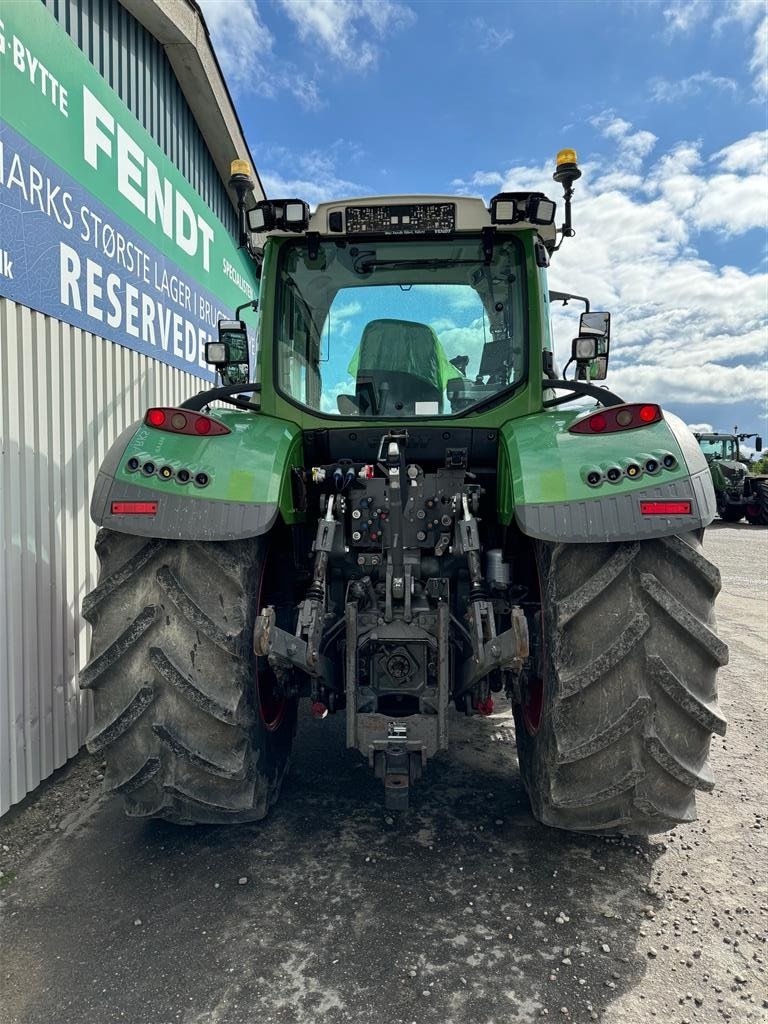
point(179, 26)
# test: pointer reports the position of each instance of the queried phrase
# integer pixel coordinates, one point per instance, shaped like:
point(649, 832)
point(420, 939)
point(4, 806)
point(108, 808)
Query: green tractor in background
point(400, 519)
point(738, 492)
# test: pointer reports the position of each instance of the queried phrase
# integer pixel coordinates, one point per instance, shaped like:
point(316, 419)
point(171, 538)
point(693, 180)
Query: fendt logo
point(139, 180)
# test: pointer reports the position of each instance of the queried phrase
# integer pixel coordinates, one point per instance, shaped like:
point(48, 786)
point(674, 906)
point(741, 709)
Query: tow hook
point(398, 762)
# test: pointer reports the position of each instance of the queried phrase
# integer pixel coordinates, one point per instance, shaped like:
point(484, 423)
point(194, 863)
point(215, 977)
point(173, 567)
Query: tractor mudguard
point(544, 472)
point(237, 482)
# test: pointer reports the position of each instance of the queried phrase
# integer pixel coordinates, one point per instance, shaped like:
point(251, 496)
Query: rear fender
point(248, 475)
point(543, 485)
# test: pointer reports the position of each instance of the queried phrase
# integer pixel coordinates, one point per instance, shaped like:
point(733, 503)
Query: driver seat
point(399, 360)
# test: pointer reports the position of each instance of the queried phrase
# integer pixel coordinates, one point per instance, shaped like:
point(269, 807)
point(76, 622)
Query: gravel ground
point(462, 911)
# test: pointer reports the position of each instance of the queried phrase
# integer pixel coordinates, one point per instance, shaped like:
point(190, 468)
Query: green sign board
point(97, 226)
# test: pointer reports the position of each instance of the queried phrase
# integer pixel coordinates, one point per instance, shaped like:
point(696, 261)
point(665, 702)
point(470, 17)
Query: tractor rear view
point(401, 520)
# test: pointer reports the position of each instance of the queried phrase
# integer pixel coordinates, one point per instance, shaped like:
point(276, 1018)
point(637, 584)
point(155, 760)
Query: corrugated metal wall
point(135, 66)
point(65, 395)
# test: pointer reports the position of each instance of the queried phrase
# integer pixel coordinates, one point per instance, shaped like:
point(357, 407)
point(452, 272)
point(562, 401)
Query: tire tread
point(175, 705)
point(631, 701)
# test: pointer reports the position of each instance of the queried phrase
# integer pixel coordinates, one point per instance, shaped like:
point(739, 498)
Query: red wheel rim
point(272, 704)
point(533, 699)
point(533, 705)
point(753, 510)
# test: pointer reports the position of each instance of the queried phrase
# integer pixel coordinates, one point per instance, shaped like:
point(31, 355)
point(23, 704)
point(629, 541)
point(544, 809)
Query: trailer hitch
point(397, 748)
point(399, 762)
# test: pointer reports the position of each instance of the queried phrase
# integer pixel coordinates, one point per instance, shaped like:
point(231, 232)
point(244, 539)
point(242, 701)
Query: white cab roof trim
point(472, 215)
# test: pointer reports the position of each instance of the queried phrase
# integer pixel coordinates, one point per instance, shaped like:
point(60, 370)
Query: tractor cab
point(720, 447)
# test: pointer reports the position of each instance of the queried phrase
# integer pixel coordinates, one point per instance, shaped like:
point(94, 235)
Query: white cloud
point(665, 91)
point(683, 15)
point(350, 32)
point(742, 12)
point(312, 176)
point(488, 37)
point(313, 190)
point(245, 48)
point(725, 201)
point(751, 16)
point(758, 63)
point(750, 154)
point(480, 179)
point(341, 28)
point(685, 331)
point(238, 33)
point(633, 146)
point(701, 428)
point(710, 384)
point(733, 204)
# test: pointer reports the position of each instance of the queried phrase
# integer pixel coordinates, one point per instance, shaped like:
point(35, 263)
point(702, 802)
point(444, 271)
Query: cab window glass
point(400, 329)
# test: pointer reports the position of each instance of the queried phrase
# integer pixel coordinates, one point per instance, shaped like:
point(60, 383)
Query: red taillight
point(134, 508)
point(665, 508)
point(182, 421)
point(617, 417)
point(156, 417)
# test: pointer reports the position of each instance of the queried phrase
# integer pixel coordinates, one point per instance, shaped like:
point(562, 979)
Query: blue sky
point(665, 103)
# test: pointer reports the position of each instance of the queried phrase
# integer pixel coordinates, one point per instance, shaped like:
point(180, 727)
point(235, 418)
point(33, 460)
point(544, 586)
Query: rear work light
point(134, 508)
point(182, 421)
point(665, 508)
point(617, 417)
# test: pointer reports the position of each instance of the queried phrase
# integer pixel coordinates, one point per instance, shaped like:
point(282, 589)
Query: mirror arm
point(254, 305)
point(603, 395)
point(203, 398)
point(565, 296)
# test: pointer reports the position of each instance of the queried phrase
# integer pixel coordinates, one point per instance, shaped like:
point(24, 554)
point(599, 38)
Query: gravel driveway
point(462, 911)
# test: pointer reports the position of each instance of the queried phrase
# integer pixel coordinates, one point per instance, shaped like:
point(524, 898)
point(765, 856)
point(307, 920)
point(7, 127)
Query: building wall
point(67, 387)
point(65, 395)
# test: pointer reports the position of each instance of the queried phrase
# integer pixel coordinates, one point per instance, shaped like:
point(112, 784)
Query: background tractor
point(400, 519)
point(738, 492)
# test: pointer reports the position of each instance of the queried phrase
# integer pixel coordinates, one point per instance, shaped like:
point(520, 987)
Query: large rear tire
point(614, 734)
point(188, 719)
point(757, 505)
point(731, 513)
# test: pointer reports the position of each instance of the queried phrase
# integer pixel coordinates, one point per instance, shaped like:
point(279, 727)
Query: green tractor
point(738, 492)
point(401, 517)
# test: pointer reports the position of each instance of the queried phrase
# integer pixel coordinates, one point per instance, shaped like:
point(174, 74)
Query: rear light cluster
point(182, 421)
point(617, 417)
point(629, 469)
point(181, 476)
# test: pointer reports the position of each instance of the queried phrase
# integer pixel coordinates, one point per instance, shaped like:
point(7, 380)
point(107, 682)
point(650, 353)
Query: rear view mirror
point(590, 350)
point(230, 353)
point(598, 324)
point(758, 444)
